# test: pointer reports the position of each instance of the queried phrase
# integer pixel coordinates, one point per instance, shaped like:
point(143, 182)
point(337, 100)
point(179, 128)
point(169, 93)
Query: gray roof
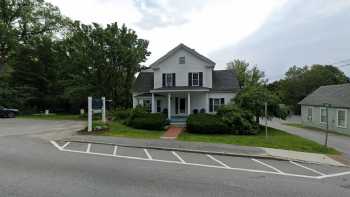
point(223, 81)
point(143, 82)
point(336, 95)
point(188, 49)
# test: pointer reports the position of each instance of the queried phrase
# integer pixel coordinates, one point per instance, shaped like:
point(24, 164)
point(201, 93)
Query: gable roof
point(225, 80)
point(143, 82)
point(336, 95)
point(188, 49)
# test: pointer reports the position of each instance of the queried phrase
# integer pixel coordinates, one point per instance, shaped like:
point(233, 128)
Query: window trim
point(149, 108)
point(345, 118)
point(307, 114)
point(321, 108)
point(212, 104)
point(172, 77)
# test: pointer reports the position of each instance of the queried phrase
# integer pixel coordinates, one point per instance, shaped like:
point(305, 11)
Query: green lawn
point(52, 117)
point(297, 125)
point(277, 139)
point(119, 130)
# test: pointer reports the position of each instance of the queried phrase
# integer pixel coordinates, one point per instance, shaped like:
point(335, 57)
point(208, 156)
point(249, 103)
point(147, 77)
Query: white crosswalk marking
point(269, 166)
point(218, 161)
point(148, 155)
point(178, 157)
point(313, 170)
point(115, 150)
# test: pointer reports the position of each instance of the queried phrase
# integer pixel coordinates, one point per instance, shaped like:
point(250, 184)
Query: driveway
point(339, 142)
point(42, 128)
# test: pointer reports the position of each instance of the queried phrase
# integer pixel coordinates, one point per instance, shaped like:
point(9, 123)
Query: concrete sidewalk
point(209, 148)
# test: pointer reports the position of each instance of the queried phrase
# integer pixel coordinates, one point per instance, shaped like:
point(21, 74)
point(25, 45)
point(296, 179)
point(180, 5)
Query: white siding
point(193, 64)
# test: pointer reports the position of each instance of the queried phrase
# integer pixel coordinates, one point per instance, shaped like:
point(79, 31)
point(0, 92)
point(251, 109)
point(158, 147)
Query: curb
point(200, 151)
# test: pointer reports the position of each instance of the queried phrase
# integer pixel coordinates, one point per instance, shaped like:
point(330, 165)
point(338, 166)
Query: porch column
point(153, 107)
point(207, 102)
point(169, 106)
point(188, 103)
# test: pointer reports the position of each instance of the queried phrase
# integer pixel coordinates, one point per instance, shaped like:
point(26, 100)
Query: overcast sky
point(274, 34)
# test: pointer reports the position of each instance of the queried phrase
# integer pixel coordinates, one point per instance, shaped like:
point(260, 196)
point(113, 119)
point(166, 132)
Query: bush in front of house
point(240, 121)
point(144, 120)
point(121, 114)
point(206, 124)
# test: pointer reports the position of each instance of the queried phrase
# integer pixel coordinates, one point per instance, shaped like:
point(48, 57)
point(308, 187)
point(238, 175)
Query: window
point(309, 114)
point(147, 105)
point(342, 118)
point(159, 109)
point(182, 60)
point(215, 104)
point(169, 79)
point(323, 113)
point(195, 79)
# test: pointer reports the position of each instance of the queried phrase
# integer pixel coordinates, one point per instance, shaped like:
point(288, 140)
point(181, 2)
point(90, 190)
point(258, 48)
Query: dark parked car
point(8, 113)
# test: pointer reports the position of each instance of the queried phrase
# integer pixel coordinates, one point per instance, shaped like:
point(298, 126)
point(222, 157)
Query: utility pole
point(266, 120)
point(327, 126)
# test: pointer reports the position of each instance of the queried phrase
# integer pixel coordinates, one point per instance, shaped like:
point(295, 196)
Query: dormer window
point(182, 60)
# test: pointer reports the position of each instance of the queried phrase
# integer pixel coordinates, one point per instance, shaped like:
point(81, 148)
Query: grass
point(52, 117)
point(117, 129)
point(297, 125)
point(276, 139)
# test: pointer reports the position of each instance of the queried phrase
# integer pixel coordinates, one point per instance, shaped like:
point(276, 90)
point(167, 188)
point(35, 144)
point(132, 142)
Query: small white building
point(184, 82)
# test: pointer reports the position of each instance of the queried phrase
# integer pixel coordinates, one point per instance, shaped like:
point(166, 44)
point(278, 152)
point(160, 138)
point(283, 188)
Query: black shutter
point(189, 79)
point(164, 79)
point(222, 101)
point(174, 79)
point(201, 79)
point(211, 106)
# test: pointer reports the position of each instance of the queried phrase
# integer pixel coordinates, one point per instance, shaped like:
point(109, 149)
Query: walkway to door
point(172, 133)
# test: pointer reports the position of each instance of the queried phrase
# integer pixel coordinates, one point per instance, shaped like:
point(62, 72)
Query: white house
point(184, 82)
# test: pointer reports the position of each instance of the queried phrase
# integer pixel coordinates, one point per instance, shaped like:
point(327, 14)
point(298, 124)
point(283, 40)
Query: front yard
point(276, 139)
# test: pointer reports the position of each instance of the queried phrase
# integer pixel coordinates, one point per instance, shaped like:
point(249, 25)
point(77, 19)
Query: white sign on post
point(96, 106)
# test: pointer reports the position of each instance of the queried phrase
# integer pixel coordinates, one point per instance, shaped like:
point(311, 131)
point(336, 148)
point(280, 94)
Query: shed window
point(323, 113)
point(341, 118)
point(309, 114)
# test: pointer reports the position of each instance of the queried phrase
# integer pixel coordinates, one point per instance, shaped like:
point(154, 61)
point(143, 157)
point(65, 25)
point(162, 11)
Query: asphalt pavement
point(33, 166)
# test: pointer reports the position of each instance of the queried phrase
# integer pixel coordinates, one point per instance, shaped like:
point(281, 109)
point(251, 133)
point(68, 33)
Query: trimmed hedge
point(156, 121)
point(121, 114)
point(206, 124)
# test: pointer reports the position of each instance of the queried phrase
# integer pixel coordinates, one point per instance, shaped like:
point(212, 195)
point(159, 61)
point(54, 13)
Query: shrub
point(239, 120)
point(121, 115)
point(206, 123)
point(156, 121)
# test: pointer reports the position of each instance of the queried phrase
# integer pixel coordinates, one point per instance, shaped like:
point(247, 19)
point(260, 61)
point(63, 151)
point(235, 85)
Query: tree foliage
point(56, 63)
point(301, 81)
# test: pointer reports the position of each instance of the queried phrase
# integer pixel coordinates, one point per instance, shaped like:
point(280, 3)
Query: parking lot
point(219, 162)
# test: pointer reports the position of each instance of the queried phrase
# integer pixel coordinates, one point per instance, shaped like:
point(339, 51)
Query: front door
point(180, 105)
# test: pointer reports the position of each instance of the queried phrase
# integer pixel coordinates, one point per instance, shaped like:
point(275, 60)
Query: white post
point(169, 106)
point(104, 109)
point(89, 114)
point(153, 104)
point(207, 102)
point(188, 103)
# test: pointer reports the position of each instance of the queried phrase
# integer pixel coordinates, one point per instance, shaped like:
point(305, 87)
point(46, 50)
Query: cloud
point(300, 33)
point(163, 13)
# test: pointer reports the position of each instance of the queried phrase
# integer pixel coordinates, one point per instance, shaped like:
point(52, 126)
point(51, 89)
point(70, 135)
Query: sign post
point(89, 114)
point(104, 109)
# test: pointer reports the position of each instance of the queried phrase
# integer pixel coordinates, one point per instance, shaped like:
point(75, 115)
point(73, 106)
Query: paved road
point(339, 142)
point(33, 167)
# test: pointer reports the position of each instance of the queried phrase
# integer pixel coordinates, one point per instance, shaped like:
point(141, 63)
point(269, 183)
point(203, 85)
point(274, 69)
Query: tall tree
point(246, 76)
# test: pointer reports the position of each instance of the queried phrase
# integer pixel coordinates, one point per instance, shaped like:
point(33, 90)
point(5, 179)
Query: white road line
point(88, 149)
point(193, 164)
point(56, 145)
point(218, 161)
point(333, 175)
point(65, 145)
point(178, 157)
point(148, 155)
point(115, 150)
point(269, 166)
point(313, 170)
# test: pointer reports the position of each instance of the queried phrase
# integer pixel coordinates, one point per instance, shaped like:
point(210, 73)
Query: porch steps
point(172, 133)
